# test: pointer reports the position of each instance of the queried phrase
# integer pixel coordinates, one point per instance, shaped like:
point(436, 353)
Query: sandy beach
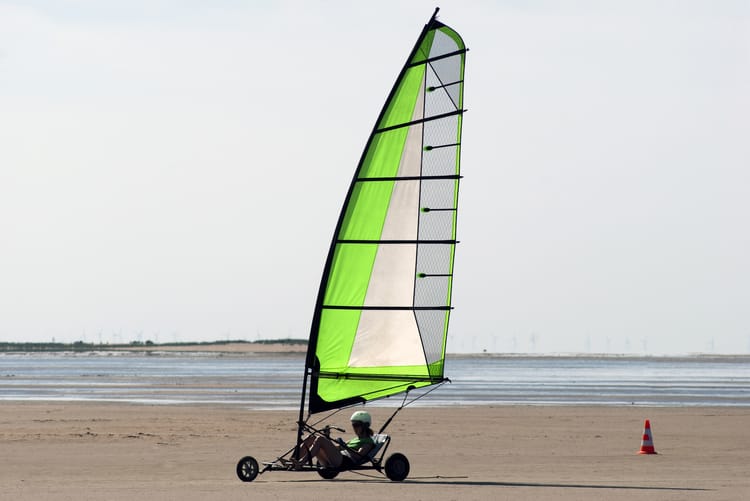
point(126, 452)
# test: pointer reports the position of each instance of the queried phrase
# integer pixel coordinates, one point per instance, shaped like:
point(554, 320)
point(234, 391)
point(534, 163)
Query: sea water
point(273, 381)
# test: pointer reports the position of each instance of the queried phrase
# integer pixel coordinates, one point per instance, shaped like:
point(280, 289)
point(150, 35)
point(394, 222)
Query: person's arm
point(364, 450)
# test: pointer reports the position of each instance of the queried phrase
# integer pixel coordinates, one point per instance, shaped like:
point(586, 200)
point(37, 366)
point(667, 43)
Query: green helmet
point(362, 416)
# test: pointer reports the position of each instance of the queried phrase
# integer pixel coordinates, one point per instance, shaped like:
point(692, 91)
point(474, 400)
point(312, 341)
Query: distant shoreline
point(292, 345)
point(235, 346)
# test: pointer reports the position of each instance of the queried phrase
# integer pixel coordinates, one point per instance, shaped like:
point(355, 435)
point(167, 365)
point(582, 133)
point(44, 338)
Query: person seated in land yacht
point(339, 454)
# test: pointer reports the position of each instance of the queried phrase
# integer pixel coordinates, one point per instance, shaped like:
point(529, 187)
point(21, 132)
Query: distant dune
point(265, 347)
point(262, 346)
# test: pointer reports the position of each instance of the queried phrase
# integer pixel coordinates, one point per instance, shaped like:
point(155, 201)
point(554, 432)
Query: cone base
point(647, 452)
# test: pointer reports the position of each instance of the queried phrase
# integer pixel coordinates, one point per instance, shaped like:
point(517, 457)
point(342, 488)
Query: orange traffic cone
point(647, 443)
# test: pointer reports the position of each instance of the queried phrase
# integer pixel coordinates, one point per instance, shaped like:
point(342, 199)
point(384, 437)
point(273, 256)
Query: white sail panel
point(387, 338)
point(392, 279)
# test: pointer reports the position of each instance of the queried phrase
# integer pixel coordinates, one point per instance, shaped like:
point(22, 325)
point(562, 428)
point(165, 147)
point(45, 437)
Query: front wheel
point(247, 469)
point(396, 467)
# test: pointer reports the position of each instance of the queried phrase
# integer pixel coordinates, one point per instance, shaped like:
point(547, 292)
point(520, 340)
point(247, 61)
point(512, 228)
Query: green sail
point(381, 318)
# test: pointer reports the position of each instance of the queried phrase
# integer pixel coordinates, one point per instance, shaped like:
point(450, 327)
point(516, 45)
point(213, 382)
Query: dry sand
point(131, 452)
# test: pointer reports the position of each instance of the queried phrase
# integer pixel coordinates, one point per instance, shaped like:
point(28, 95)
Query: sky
point(173, 170)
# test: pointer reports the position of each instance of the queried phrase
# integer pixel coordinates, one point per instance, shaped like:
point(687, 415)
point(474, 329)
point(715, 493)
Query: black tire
point(397, 467)
point(328, 473)
point(247, 469)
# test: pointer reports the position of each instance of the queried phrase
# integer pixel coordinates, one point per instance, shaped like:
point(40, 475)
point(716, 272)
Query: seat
point(380, 440)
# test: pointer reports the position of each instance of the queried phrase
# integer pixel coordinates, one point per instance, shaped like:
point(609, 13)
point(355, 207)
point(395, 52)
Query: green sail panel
point(381, 320)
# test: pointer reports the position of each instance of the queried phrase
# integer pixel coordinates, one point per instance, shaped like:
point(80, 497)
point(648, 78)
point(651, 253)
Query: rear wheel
point(247, 469)
point(396, 467)
point(328, 473)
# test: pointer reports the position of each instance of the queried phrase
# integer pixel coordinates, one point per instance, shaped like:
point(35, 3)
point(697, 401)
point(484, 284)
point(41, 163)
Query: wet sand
point(127, 452)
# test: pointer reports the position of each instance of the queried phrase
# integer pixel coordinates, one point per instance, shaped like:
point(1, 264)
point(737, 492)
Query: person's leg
point(305, 453)
point(327, 452)
point(323, 449)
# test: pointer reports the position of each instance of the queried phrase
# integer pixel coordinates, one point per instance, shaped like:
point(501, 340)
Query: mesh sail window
point(381, 319)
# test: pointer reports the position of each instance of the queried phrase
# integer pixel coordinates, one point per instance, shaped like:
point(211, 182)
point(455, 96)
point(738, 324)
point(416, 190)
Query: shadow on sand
point(476, 483)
